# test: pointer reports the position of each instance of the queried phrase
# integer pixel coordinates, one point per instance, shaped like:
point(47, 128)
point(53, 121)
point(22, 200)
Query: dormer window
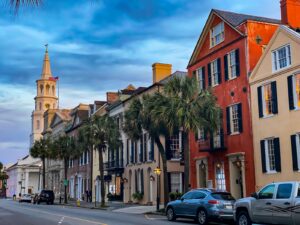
point(281, 58)
point(217, 34)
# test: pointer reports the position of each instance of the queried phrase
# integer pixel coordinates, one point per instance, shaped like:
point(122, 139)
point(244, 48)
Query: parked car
point(44, 196)
point(25, 198)
point(276, 203)
point(203, 205)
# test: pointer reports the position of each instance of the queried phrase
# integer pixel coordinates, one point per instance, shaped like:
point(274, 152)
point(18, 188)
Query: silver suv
point(276, 203)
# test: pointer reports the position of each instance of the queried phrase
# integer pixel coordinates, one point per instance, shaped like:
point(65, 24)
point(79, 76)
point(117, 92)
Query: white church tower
point(45, 99)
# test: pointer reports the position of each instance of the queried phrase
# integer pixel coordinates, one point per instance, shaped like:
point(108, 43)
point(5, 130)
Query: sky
point(95, 46)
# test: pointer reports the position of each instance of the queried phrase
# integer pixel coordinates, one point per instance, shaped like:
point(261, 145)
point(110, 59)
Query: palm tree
point(181, 107)
point(138, 118)
point(1, 166)
point(63, 148)
point(41, 149)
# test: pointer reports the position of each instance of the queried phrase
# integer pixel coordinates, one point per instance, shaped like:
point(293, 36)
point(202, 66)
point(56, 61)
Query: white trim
point(298, 148)
point(275, 58)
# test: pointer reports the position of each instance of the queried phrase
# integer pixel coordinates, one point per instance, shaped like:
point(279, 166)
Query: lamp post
point(157, 171)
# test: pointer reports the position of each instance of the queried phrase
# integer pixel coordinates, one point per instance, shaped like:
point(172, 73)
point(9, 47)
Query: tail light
point(213, 202)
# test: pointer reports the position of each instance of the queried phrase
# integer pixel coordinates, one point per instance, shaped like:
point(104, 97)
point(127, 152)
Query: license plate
point(228, 206)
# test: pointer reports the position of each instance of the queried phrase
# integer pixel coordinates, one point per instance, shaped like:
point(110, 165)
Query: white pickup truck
point(276, 203)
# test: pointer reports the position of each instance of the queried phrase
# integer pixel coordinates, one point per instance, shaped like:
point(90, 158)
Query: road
point(14, 213)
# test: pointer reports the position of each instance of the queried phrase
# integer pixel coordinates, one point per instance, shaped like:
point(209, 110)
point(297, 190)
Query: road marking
point(69, 217)
point(151, 218)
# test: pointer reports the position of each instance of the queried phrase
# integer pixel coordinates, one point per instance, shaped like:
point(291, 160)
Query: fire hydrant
point(78, 203)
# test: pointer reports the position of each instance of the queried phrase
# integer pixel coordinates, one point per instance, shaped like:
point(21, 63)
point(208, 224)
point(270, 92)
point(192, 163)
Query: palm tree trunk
point(186, 151)
point(101, 169)
point(66, 176)
point(164, 169)
point(91, 178)
point(44, 172)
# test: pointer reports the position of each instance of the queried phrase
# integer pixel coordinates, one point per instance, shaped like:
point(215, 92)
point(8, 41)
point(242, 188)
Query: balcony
point(114, 166)
point(212, 144)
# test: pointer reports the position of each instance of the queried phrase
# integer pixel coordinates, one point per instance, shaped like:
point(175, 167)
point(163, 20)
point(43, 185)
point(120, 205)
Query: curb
point(85, 207)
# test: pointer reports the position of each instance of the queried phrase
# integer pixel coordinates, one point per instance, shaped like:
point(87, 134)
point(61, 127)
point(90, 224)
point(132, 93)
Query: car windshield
point(223, 196)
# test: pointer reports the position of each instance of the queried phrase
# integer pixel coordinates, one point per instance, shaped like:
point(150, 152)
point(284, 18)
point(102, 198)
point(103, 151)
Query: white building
point(24, 177)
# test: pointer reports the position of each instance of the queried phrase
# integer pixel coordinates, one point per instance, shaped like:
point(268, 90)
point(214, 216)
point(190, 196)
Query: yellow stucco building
point(275, 103)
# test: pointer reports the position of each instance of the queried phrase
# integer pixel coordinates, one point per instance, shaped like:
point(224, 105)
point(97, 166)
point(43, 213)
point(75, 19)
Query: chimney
point(290, 13)
point(161, 71)
point(112, 97)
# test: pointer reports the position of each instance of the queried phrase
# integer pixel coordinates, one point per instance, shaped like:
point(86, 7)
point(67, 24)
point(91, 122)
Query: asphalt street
point(14, 213)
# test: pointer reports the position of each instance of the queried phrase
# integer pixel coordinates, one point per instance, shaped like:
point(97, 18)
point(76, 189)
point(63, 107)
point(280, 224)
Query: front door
point(262, 206)
point(282, 204)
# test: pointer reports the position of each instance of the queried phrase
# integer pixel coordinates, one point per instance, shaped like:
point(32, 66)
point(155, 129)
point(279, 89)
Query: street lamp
point(157, 171)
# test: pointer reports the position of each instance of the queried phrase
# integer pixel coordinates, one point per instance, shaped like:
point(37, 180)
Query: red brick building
point(227, 51)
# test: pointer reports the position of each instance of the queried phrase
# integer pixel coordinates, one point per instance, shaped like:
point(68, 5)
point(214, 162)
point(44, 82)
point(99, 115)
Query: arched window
point(47, 106)
point(37, 124)
point(53, 105)
point(53, 90)
point(47, 89)
point(40, 106)
point(41, 89)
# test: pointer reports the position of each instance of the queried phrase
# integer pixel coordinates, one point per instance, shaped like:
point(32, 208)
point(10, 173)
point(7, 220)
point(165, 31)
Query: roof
point(236, 19)
point(175, 74)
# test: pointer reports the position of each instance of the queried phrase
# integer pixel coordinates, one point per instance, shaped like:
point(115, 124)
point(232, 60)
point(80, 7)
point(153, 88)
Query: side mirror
point(181, 198)
point(254, 195)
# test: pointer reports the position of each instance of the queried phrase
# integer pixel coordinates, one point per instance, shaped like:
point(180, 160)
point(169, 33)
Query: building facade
point(275, 101)
point(227, 51)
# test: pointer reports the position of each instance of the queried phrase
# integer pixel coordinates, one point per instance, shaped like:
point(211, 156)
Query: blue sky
point(95, 46)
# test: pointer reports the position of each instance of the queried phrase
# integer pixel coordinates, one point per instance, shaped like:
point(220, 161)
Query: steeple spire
point(46, 72)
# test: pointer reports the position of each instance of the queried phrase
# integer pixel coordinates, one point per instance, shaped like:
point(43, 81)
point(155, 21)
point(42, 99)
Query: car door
point(282, 204)
point(193, 203)
point(296, 206)
point(262, 206)
point(181, 207)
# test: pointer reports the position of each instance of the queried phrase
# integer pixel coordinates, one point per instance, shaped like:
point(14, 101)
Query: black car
point(44, 196)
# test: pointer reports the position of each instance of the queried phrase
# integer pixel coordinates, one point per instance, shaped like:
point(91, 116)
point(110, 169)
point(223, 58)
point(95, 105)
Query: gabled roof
point(230, 18)
point(236, 19)
point(292, 34)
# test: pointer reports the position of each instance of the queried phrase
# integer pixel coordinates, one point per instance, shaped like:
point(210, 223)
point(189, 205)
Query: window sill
point(230, 79)
point(175, 159)
point(281, 69)
point(235, 133)
point(295, 109)
point(271, 172)
point(268, 116)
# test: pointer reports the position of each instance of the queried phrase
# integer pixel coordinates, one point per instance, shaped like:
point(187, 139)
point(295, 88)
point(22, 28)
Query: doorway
point(237, 181)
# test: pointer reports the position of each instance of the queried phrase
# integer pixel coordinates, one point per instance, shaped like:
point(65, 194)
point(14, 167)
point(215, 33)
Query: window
point(176, 182)
point(47, 106)
point(188, 195)
point(217, 34)
point(231, 65)
point(37, 124)
point(201, 78)
point(281, 58)
point(234, 119)
point(267, 192)
point(270, 155)
point(294, 91)
point(175, 146)
point(220, 177)
point(267, 99)
point(295, 142)
point(201, 135)
point(198, 195)
point(40, 106)
point(284, 191)
point(214, 72)
point(47, 89)
point(217, 139)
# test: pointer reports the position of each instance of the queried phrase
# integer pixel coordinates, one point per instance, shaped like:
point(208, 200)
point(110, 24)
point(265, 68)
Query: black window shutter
point(277, 154)
point(291, 92)
point(263, 156)
point(209, 74)
point(237, 62)
point(196, 135)
point(132, 151)
point(222, 137)
point(294, 153)
point(203, 77)
point(274, 98)
point(142, 181)
point(182, 145)
point(136, 180)
point(152, 150)
point(228, 120)
point(226, 66)
point(240, 115)
point(169, 181)
point(219, 71)
point(260, 105)
point(141, 149)
point(167, 147)
point(205, 134)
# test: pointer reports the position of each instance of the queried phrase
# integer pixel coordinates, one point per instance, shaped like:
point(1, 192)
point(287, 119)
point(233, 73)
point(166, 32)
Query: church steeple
point(46, 72)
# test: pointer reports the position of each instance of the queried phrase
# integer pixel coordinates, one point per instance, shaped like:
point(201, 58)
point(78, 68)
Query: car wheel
point(171, 214)
point(202, 217)
point(243, 218)
point(38, 202)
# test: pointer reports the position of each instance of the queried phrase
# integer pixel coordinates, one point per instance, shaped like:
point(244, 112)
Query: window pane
point(267, 192)
point(234, 119)
point(220, 177)
point(175, 182)
point(268, 99)
point(284, 191)
point(297, 89)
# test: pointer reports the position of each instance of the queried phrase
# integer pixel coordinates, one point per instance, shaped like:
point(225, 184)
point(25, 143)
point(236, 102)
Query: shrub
point(175, 195)
point(138, 196)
